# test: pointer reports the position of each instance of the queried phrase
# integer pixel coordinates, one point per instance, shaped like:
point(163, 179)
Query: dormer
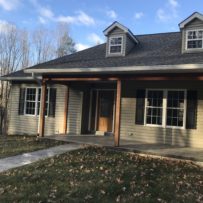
point(192, 33)
point(120, 40)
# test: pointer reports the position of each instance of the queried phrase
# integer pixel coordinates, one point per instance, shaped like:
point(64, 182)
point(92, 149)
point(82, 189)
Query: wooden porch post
point(66, 109)
point(118, 114)
point(42, 111)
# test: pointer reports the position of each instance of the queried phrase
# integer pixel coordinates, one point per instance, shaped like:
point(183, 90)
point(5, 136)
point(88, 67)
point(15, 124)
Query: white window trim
point(25, 101)
point(192, 30)
point(145, 110)
point(164, 112)
point(109, 47)
point(36, 102)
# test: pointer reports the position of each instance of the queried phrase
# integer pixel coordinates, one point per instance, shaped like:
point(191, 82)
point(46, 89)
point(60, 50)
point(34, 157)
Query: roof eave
point(127, 69)
point(19, 78)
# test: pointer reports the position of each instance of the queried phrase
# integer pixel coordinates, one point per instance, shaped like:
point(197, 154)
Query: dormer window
point(194, 39)
point(116, 45)
point(120, 40)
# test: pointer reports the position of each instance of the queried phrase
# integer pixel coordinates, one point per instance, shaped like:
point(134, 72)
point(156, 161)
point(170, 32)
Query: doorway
point(102, 104)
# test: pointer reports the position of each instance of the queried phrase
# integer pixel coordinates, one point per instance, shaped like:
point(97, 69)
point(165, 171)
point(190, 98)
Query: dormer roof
point(122, 27)
point(191, 18)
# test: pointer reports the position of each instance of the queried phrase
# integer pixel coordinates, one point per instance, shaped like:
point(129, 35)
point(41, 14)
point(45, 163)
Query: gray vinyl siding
point(28, 124)
point(141, 133)
point(116, 31)
point(20, 124)
point(193, 25)
point(74, 112)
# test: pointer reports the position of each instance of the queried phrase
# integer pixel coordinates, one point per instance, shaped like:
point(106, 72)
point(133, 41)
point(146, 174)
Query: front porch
point(118, 107)
point(188, 153)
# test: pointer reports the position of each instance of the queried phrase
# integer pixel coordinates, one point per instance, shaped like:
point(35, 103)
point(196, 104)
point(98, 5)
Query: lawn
point(13, 145)
point(100, 175)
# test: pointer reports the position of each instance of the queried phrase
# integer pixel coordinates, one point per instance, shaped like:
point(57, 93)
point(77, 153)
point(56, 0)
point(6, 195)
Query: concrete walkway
point(31, 157)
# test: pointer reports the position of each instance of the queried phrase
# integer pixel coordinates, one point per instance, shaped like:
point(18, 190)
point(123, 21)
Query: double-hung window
point(166, 108)
point(175, 108)
point(32, 101)
point(194, 39)
point(154, 107)
point(116, 45)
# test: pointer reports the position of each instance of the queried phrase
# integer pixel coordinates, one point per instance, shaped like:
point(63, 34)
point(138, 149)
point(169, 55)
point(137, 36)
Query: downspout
point(39, 82)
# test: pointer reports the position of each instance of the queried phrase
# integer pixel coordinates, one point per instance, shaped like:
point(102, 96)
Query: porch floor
point(195, 154)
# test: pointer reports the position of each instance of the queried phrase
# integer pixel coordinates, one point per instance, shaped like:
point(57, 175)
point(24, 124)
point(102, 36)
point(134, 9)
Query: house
point(147, 88)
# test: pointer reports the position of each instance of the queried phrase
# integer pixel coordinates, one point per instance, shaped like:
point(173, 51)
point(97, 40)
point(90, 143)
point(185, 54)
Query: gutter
point(20, 78)
point(134, 69)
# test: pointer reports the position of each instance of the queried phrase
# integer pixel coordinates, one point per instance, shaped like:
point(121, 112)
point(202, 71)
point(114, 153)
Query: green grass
point(13, 145)
point(100, 175)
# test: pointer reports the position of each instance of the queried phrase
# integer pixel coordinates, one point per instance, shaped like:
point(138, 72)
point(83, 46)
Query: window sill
point(165, 127)
point(29, 115)
point(115, 54)
point(188, 51)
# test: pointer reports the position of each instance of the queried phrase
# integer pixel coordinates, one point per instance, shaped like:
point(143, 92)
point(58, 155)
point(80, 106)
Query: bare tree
point(19, 49)
point(43, 48)
point(10, 57)
point(25, 48)
point(65, 44)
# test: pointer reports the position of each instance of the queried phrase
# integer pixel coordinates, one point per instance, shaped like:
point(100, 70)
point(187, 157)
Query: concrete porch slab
point(194, 154)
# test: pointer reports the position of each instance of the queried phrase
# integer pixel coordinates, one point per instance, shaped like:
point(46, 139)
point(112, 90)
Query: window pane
point(39, 94)
point(47, 101)
point(175, 108)
point(31, 93)
point(190, 35)
point(155, 98)
point(30, 108)
point(115, 49)
point(116, 41)
point(154, 107)
point(30, 101)
point(200, 34)
point(194, 44)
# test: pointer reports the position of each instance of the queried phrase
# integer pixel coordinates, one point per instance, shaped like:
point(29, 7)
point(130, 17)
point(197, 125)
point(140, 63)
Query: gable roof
point(190, 18)
point(122, 27)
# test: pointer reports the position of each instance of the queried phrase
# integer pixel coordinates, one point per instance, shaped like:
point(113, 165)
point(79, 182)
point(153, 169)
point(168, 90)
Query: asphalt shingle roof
point(153, 49)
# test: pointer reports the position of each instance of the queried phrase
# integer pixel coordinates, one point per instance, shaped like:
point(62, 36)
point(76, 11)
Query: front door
point(105, 109)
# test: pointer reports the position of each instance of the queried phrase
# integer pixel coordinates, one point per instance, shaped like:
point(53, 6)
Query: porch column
point(66, 109)
point(42, 111)
point(118, 114)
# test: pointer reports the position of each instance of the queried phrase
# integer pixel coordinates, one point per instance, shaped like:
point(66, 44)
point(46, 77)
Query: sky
point(86, 19)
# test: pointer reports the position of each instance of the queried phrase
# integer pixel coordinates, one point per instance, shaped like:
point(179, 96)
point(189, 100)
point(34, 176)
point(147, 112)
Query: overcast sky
point(88, 18)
